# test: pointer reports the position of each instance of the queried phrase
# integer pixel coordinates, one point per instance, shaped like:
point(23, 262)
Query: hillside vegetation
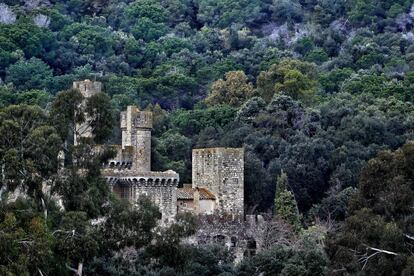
point(320, 93)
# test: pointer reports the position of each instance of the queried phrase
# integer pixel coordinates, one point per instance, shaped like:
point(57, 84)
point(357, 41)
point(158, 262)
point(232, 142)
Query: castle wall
point(221, 170)
point(243, 238)
point(143, 152)
point(165, 197)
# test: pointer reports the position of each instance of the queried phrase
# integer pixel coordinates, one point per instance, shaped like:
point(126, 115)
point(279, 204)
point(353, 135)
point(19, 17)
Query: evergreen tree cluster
point(319, 93)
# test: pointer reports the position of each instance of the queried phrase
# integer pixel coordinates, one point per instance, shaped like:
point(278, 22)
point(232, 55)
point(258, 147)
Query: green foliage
point(28, 148)
point(67, 113)
point(26, 246)
point(334, 206)
point(88, 40)
point(145, 9)
point(234, 90)
point(148, 30)
point(128, 226)
point(332, 81)
point(285, 207)
point(287, 11)
point(99, 109)
point(76, 237)
point(380, 217)
point(336, 86)
point(227, 12)
point(192, 122)
point(81, 186)
point(290, 77)
point(285, 261)
point(30, 74)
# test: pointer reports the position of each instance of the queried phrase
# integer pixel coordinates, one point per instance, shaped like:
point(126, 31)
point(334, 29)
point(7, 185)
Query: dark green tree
point(377, 236)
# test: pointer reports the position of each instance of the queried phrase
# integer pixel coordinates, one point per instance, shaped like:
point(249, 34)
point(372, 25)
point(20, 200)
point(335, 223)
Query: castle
point(217, 173)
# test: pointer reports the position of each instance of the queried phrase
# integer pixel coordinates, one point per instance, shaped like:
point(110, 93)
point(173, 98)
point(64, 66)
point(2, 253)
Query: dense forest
point(320, 94)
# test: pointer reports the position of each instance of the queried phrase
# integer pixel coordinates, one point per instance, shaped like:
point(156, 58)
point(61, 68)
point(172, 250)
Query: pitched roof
point(188, 193)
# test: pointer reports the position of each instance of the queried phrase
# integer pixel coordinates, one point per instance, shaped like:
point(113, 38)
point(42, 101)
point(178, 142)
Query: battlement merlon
point(219, 150)
point(87, 87)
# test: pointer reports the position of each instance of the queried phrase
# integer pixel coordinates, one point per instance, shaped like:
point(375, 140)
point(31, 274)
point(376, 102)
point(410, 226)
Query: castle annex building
point(217, 173)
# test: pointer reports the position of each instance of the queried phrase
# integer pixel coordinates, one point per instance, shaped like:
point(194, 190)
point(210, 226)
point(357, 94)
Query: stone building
point(216, 194)
point(221, 171)
point(195, 200)
point(129, 173)
point(88, 89)
point(218, 173)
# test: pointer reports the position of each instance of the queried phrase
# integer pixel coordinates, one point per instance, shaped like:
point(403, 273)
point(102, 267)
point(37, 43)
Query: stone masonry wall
point(221, 170)
point(142, 159)
point(88, 89)
point(165, 197)
point(136, 128)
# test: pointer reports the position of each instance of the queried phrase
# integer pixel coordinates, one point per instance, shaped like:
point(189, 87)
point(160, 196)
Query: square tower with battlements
point(221, 171)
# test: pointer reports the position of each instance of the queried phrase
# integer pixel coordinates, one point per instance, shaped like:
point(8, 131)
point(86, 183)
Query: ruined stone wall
point(221, 170)
point(88, 89)
point(242, 238)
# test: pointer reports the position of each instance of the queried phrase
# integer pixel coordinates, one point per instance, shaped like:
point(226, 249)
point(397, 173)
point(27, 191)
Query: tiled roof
point(188, 193)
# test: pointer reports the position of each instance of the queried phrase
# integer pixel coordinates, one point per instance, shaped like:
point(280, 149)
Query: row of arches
point(118, 164)
point(159, 181)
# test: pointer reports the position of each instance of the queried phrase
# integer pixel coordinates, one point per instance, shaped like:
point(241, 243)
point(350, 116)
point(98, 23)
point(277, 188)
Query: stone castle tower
point(218, 173)
point(221, 171)
point(88, 89)
point(130, 172)
point(136, 128)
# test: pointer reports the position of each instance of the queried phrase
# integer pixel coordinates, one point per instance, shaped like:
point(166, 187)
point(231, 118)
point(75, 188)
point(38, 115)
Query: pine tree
point(286, 206)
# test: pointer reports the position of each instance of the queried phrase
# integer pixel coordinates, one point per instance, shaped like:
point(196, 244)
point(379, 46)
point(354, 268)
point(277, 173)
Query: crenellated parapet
point(154, 179)
point(160, 187)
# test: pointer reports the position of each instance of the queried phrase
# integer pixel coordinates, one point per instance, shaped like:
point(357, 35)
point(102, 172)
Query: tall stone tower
point(129, 173)
point(221, 171)
point(136, 128)
point(88, 89)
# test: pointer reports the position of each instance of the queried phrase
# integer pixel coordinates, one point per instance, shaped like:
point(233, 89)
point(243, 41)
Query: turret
point(136, 128)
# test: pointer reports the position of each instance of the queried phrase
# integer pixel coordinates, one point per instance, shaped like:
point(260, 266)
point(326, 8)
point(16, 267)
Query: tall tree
point(377, 237)
point(291, 77)
point(28, 149)
point(285, 207)
point(233, 90)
